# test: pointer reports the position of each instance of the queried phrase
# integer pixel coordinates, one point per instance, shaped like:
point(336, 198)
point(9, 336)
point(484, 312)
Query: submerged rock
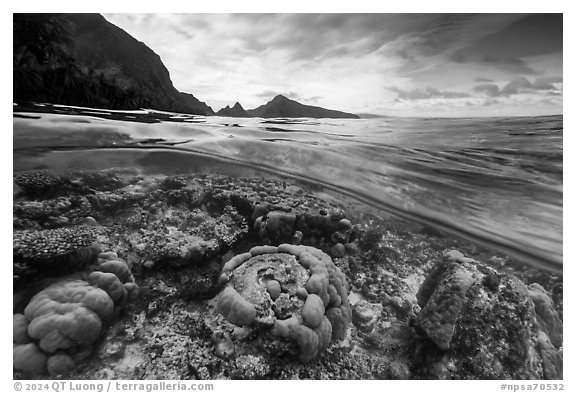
point(442, 297)
point(365, 315)
point(489, 331)
point(548, 319)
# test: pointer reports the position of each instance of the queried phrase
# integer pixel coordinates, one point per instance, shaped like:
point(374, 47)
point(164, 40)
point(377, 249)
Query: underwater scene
point(159, 245)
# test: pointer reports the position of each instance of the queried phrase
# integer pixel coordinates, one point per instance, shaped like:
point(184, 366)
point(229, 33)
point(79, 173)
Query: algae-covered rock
point(365, 315)
point(440, 312)
point(312, 308)
point(547, 316)
point(489, 324)
point(552, 360)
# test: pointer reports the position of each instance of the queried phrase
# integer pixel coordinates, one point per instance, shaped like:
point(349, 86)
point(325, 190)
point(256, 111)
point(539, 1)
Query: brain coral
point(28, 357)
point(67, 313)
point(294, 292)
point(68, 316)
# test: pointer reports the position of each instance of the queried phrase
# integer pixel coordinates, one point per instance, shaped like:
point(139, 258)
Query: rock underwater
point(489, 325)
point(311, 309)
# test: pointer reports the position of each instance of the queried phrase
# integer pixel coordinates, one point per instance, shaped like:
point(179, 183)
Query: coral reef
point(311, 324)
point(100, 180)
point(212, 304)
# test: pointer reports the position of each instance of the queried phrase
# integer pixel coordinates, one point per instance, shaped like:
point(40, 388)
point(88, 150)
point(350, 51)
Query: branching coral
point(292, 292)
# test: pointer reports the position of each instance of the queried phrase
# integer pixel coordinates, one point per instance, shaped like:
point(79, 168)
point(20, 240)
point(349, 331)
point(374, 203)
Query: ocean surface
point(494, 181)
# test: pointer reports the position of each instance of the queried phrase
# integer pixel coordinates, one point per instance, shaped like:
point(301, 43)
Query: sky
point(389, 64)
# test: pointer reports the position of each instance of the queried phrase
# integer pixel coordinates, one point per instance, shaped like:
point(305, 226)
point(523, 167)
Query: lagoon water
point(494, 181)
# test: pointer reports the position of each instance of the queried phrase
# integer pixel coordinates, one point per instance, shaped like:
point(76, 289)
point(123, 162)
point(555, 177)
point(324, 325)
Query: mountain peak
point(280, 98)
point(281, 106)
point(235, 111)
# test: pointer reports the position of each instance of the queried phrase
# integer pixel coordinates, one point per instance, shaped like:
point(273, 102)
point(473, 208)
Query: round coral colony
point(318, 312)
point(68, 316)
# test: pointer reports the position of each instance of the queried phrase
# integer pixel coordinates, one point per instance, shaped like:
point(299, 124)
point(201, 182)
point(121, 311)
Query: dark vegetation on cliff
point(81, 59)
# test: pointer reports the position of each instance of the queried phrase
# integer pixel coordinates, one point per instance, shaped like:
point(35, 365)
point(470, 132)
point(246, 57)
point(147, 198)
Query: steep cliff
point(83, 59)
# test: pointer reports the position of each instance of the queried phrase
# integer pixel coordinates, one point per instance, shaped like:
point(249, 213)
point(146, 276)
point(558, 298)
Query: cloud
point(314, 58)
point(491, 90)
point(269, 94)
point(514, 86)
point(185, 34)
point(446, 34)
point(427, 93)
point(519, 85)
point(531, 35)
point(510, 48)
point(546, 82)
point(313, 98)
point(490, 102)
point(306, 37)
point(509, 64)
point(457, 57)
